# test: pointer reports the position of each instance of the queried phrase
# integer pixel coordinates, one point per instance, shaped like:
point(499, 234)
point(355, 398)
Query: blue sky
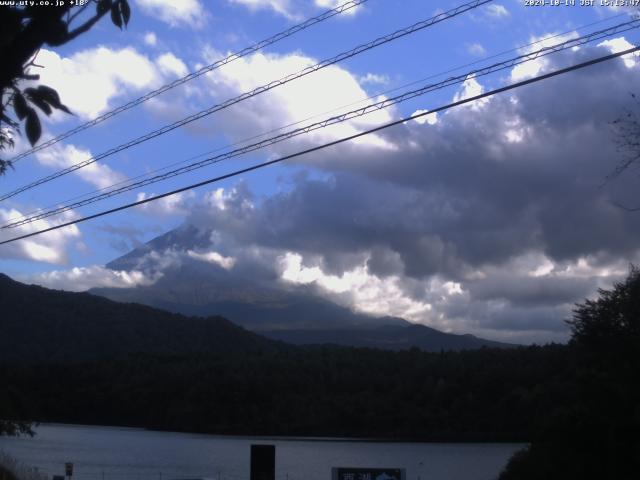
point(165, 40)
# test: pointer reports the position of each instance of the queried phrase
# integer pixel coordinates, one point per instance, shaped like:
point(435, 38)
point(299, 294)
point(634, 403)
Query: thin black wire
point(370, 97)
point(330, 144)
point(385, 103)
point(219, 63)
point(264, 88)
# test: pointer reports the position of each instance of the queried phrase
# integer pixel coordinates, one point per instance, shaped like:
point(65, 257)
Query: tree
point(611, 321)
point(23, 31)
point(598, 436)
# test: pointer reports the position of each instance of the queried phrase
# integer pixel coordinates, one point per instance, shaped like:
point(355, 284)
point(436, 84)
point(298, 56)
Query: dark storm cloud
point(466, 195)
point(524, 319)
point(521, 174)
point(526, 291)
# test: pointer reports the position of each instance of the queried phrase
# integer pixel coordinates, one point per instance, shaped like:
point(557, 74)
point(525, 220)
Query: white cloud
point(50, 247)
point(588, 267)
point(471, 88)
point(356, 288)
point(61, 156)
point(223, 200)
point(287, 8)
point(282, 7)
point(176, 204)
point(171, 65)
point(621, 44)
point(476, 49)
point(538, 65)
point(430, 119)
point(88, 80)
point(374, 79)
point(333, 88)
point(497, 11)
point(330, 4)
point(188, 13)
point(150, 39)
point(80, 279)
point(213, 257)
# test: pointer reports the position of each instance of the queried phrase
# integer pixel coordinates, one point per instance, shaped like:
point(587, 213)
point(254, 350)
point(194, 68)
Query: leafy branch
point(23, 31)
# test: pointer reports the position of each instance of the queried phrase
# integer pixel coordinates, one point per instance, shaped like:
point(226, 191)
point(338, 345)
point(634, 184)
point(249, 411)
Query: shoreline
point(289, 438)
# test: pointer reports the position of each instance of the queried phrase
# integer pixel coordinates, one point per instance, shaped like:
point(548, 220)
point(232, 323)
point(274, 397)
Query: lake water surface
point(112, 453)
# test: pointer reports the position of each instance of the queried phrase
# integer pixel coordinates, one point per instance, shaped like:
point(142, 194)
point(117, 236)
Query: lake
point(112, 453)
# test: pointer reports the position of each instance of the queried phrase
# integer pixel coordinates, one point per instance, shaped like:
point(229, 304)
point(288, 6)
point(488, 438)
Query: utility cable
point(283, 127)
point(217, 64)
point(330, 144)
point(264, 88)
point(385, 103)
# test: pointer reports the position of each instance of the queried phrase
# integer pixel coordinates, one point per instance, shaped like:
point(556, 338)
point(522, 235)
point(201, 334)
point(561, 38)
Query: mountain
point(188, 291)
point(38, 324)
point(298, 318)
point(259, 301)
point(255, 300)
point(386, 338)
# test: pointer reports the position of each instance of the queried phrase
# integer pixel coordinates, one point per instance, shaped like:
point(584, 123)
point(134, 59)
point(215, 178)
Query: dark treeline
point(487, 394)
point(578, 405)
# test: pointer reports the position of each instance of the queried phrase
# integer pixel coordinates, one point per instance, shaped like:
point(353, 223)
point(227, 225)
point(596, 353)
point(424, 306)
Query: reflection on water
point(111, 453)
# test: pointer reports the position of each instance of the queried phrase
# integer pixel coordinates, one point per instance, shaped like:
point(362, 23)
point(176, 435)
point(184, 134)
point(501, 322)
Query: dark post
point(68, 470)
point(263, 462)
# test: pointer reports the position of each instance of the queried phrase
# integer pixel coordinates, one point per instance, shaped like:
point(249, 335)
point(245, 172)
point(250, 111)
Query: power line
point(330, 144)
point(264, 88)
point(217, 64)
point(368, 98)
point(594, 36)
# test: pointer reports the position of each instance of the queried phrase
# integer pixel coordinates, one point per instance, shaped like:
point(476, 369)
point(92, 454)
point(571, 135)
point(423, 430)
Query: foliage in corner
point(598, 434)
point(23, 31)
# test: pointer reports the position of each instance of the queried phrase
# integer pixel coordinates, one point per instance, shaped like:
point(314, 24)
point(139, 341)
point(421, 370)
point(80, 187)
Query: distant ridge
point(291, 313)
point(38, 324)
point(386, 338)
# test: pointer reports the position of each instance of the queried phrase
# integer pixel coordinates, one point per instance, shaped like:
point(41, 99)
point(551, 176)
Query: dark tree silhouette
point(598, 435)
point(23, 31)
point(612, 320)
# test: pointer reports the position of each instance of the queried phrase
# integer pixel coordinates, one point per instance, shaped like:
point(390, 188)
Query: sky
point(492, 218)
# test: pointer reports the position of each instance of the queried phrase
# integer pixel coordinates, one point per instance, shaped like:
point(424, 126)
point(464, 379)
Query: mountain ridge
point(41, 324)
point(260, 301)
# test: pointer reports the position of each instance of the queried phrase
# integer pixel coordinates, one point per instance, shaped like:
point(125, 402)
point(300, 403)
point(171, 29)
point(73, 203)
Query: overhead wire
point(186, 78)
point(332, 143)
point(382, 104)
point(362, 100)
point(261, 89)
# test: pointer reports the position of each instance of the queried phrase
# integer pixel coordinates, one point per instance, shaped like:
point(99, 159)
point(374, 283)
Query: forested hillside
point(329, 391)
point(42, 325)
